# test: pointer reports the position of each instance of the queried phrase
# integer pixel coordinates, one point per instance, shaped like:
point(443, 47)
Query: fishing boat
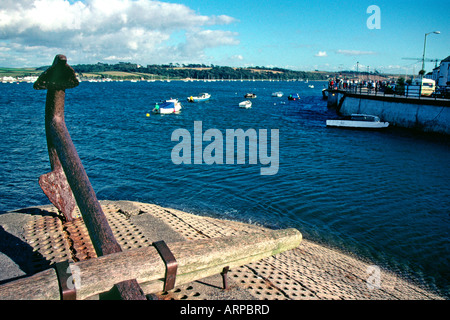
point(294, 97)
point(201, 97)
point(250, 95)
point(245, 104)
point(277, 94)
point(167, 107)
point(359, 121)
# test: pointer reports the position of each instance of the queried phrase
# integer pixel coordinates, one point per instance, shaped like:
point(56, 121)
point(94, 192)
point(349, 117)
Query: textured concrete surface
point(32, 239)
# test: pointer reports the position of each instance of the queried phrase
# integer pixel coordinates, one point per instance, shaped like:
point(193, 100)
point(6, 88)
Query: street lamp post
point(424, 46)
point(357, 69)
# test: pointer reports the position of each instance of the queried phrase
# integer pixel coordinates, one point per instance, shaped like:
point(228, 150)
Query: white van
point(423, 86)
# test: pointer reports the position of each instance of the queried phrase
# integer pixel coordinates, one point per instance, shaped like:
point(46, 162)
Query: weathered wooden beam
point(196, 260)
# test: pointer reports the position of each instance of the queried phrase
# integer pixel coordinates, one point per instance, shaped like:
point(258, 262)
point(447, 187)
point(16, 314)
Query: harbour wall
point(425, 114)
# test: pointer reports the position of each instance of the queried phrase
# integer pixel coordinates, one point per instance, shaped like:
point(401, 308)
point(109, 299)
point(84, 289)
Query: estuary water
point(381, 195)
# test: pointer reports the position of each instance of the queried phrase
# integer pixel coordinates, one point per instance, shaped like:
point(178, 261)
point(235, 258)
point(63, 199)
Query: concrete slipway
point(32, 239)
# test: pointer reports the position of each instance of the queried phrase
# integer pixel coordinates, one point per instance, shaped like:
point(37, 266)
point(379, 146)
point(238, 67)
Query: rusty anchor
point(54, 184)
point(68, 185)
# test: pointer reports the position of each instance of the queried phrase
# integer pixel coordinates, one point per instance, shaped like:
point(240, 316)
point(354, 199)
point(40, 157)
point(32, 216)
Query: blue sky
point(299, 35)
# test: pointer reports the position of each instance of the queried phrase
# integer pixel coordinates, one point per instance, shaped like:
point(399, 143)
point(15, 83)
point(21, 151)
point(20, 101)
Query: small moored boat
point(359, 121)
point(277, 94)
point(245, 104)
point(201, 97)
point(294, 97)
point(167, 107)
point(250, 95)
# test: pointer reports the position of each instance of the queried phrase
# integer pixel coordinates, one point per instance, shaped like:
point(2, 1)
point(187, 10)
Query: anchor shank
point(68, 178)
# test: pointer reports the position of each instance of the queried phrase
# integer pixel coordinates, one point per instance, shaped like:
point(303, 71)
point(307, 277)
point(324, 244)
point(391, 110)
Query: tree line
point(200, 71)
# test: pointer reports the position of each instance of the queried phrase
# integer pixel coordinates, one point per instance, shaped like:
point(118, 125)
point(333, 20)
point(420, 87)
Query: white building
point(434, 75)
point(8, 79)
point(443, 78)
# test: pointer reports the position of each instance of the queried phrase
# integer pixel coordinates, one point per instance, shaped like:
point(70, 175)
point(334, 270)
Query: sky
point(294, 34)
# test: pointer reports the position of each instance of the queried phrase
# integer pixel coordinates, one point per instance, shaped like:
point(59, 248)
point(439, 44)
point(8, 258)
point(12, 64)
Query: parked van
point(423, 86)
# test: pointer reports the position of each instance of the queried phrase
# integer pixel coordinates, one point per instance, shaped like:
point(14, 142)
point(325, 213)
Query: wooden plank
point(41, 286)
point(196, 259)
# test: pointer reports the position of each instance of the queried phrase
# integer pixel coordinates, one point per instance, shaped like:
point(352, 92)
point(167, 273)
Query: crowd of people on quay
point(353, 85)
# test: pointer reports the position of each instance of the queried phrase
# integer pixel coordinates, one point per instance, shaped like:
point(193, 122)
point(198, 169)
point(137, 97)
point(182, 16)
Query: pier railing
point(398, 91)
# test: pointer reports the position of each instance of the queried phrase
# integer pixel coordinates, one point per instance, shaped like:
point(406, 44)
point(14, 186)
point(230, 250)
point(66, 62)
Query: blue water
point(381, 195)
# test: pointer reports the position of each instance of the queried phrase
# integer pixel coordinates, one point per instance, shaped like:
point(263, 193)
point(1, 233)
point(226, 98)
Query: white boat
point(364, 121)
point(199, 98)
point(311, 86)
point(245, 104)
point(277, 94)
point(167, 107)
point(250, 95)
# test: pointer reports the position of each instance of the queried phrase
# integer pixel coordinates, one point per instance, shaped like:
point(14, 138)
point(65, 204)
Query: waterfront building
point(434, 75)
point(8, 79)
point(443, 79)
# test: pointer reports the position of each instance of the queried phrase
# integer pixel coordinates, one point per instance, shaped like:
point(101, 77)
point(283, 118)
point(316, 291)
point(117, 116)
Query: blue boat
point(200, 98)
point(294, 97)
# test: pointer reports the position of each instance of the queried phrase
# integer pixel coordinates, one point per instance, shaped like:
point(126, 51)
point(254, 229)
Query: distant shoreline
point(96, 79)
point(174, 72)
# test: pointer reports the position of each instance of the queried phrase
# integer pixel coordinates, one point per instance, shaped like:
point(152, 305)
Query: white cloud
point(93, 30)
point(321, 54)
point(116, 58)
point(210, 38)
point(222, 19)
point(355, 52)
